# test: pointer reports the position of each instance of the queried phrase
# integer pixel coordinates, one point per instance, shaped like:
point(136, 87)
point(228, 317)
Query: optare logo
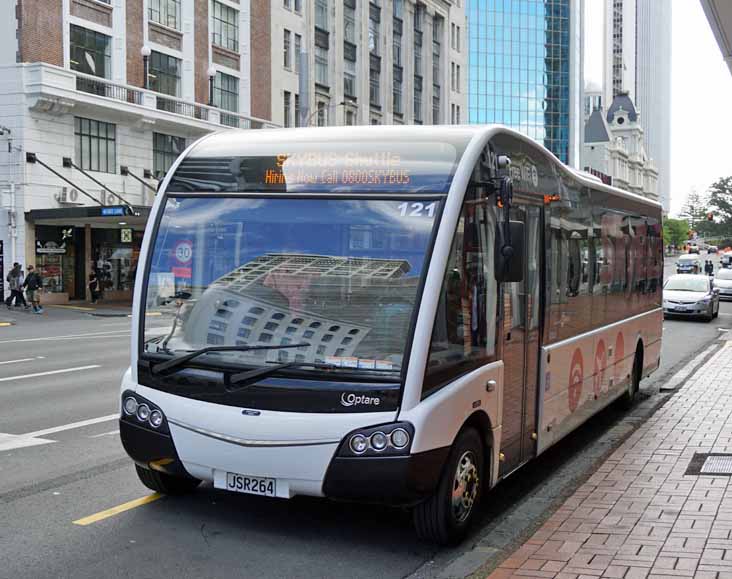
point(351, 399)
point(247, 412)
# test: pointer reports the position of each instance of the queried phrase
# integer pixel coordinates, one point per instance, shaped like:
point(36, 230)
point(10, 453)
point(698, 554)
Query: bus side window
point(464, 333)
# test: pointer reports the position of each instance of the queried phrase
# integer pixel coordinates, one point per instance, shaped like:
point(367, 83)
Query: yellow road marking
point(5, 324)
point(101, 515)
point(153, 314)
point(80, 308)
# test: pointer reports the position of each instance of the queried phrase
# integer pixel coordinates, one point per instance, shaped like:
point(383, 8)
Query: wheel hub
point(465, 486)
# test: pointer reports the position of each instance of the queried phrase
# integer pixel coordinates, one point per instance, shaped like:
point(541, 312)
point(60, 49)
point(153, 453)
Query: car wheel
point(446, 515)
point(629, 396)
point(165, 483)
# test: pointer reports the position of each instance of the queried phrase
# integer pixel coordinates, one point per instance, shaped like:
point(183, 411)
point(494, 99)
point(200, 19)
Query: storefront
point(68, 244)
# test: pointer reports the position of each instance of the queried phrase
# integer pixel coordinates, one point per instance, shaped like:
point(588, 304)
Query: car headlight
point(382, 440)
point(141, 412)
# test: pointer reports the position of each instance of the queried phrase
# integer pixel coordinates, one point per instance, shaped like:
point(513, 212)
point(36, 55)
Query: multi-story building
point(101, 96)
point(637, 53)
point(351, 62)
point(525, 69)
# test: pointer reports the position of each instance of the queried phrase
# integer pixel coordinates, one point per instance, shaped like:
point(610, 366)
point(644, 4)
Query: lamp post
point(316, 111)
point(211, 75)
point(145, 52)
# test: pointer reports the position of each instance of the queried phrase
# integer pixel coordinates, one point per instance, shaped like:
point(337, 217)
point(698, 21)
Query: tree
point(694, 211)
point(675, 231)
point(720, 204)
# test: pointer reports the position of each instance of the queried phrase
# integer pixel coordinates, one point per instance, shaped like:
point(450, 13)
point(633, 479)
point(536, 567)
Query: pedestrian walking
point(33, 284)
point(93, 286)
point(15, 279)
point(709, 267)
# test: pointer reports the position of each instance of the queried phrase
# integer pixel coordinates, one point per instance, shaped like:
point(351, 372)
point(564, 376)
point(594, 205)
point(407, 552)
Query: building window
point(349, 78)
point(437, 24)
point(349, 21)
point(399, 9)
point(95, 145)
point(297, 110)
point(322, 115)
point(321, 14)
point(375, 82)
point(298, 6)
point(287, 52)
point(91, 52)
point(225, 26)
point(166, 12)
point(350, 118)
point(321, 65)
point(165, 74)
point(286, 110)
point(374, 25)
point(298, 49)
point(226, 92)
point(436, 104)
point(418, 99)
point(397, 43)
point(166, 149)
point(287, 4)
point(397, 90)
point(457, 78)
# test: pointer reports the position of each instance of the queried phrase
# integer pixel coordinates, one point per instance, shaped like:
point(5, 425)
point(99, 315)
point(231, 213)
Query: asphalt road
point(59, 380)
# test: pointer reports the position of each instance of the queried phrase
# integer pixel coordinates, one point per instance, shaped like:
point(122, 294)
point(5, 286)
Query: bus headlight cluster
point(387, 439)
point(138, 410)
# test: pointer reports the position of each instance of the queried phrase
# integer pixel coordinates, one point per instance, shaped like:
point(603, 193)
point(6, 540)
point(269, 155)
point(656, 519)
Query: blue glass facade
point(518, 58)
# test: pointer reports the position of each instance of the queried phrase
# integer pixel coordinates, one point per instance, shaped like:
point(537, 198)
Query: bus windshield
point(338, 277)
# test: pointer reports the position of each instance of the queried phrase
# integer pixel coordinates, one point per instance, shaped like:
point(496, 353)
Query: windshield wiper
point(252, 375)
point(181, 360)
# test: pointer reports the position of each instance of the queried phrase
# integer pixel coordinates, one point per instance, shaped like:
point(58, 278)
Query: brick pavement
point(639, 515)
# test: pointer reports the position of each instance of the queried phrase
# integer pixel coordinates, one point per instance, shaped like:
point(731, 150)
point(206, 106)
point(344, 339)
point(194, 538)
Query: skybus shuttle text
point(328, 330)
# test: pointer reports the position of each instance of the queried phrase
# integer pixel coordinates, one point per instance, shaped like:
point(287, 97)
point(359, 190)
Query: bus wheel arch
point(636, 374)
point(446, 515)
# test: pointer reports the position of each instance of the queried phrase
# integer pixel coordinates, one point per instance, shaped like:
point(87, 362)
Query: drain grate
point(710, 464)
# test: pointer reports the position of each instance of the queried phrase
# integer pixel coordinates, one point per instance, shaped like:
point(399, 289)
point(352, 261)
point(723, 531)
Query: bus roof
point(415, 139)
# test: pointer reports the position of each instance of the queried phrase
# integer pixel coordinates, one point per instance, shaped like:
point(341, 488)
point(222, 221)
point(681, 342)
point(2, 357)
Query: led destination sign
point(412, 168)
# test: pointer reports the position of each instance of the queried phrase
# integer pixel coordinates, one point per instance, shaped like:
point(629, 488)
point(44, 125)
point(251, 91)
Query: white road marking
point(110, 334)
point(105, 433)
point(49, 373)
point(18, 360)
point(71, 426)
point(13, 441)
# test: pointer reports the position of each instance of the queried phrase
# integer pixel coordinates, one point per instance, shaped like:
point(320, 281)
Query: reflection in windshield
point(340, 276)
point(686, 283)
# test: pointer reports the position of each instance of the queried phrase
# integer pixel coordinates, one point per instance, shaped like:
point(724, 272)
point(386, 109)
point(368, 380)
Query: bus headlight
point(380, 440)
point(142, 413)
point(130, 406)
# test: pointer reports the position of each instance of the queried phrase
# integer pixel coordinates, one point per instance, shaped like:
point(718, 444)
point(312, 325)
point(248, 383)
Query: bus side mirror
point(509, 251)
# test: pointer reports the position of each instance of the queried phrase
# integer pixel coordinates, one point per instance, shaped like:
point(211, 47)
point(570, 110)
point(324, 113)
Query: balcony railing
point(151, 100)
point(101, 87)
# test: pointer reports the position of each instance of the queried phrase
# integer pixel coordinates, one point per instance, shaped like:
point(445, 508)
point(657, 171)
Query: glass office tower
point(519, 68)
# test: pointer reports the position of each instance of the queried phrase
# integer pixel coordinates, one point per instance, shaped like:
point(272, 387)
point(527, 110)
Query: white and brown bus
point(402, 315)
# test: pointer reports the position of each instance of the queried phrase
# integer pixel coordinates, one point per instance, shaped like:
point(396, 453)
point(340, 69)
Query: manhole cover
point(710, 464)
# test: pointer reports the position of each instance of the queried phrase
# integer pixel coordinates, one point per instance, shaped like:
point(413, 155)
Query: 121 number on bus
point(417, 209)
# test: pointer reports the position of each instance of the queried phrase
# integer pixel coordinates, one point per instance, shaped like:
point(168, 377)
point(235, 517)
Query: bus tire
point(441, 518)
point(165, 483)
point(629, 396)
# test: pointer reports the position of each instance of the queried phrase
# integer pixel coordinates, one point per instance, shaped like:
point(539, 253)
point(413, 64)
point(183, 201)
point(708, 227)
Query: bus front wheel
point(165, 483)
point(446, 515)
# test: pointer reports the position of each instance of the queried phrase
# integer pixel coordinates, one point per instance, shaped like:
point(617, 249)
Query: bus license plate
point(253, 485)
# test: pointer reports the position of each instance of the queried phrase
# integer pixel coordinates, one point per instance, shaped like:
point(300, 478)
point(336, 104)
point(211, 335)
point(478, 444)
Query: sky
point(701, 97)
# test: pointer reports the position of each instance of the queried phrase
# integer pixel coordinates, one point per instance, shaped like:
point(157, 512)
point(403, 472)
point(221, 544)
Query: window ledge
point(166, 29)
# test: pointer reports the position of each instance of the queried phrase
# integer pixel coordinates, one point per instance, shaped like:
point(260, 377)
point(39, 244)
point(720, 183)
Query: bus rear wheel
point(165, 483)
point(629, 397)
point(446, 515)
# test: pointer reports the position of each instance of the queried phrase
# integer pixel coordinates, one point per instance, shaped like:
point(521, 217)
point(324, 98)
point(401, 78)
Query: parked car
point(693, 248)
point(688, 263)
point(723, 283)
point(712, 249)
point(690, 295)
point(725, 260)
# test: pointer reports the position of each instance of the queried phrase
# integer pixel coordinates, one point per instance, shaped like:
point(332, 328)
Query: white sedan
point(690, 295)
point(723, 283)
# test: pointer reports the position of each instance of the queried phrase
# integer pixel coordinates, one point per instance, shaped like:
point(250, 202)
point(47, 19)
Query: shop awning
point(96, 216)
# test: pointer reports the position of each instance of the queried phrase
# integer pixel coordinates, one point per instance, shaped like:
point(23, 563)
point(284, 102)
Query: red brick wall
point(201, 50)
point(41, 37)
point(261, 60)
point(134, 33)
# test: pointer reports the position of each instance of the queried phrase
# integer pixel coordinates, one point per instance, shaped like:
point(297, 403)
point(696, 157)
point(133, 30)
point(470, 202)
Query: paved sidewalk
point(640, 515)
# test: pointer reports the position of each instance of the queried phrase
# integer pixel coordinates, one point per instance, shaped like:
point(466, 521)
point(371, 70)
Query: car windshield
point(687, 261)
point(339, 276)
point(724, 274)
point(687, 284)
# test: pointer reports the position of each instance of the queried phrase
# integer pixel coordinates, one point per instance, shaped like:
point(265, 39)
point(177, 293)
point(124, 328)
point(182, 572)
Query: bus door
point(520, 342)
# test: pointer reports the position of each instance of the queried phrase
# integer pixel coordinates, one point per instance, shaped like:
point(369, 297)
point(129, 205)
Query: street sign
point(184, 252)
point(125, 235)
point(113, 211)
